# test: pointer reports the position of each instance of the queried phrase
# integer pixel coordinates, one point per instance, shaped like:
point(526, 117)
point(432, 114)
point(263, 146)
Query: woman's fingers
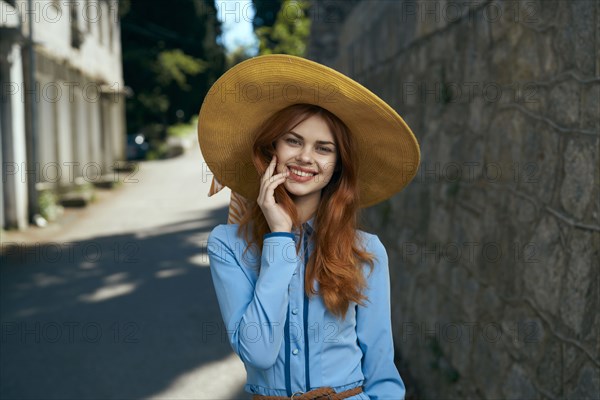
point(264, 179)
point(270, 169)
point(268, 188)
point(268, 179)
point(275, 215)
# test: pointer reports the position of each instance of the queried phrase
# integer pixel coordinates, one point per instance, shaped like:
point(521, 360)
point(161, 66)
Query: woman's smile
point(300, 175)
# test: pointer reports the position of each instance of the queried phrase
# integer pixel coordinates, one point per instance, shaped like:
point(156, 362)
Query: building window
point(76, 34)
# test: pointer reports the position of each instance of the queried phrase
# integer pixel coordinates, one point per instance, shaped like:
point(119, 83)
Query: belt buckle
point(299, 393)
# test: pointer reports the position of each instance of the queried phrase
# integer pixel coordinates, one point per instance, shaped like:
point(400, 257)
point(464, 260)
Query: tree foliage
point(170, 58)
point(176, 66)
point(288, 34)
point(265, 12)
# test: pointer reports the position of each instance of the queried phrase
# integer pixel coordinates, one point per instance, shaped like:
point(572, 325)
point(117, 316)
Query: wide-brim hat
point(246, 95)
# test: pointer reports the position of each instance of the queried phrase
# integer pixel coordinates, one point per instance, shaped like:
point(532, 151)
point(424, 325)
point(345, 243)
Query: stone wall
point(495, 245)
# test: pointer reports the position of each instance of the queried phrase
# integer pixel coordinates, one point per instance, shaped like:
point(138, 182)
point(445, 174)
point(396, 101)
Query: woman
point(305, 294)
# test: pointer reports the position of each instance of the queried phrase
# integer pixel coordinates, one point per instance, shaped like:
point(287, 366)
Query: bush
point(48, 204)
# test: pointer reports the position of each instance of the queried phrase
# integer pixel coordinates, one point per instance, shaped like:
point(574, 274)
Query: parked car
point(137, 146)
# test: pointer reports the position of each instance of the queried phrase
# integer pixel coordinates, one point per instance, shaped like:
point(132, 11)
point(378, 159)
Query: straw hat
point(246, 95)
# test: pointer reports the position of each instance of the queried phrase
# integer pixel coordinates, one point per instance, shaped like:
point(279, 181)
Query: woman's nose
point(304, 155)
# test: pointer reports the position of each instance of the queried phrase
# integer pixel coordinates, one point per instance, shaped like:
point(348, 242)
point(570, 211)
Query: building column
point(14, 153)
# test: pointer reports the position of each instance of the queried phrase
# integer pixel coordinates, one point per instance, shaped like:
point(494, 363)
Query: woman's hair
point(337, 260)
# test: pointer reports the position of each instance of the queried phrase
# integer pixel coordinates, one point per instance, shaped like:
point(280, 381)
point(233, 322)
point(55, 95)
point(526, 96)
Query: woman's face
point(309, 152)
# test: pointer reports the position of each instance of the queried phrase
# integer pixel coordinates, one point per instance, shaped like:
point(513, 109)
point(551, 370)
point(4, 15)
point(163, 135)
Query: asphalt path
point(116, 301)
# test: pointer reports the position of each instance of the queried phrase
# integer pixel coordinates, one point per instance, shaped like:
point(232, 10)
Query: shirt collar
point(308, 226)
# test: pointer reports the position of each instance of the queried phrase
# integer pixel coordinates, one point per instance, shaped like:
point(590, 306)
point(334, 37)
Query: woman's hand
point(277, 218)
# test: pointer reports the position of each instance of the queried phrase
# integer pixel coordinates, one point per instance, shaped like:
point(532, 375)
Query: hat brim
point(246, 95)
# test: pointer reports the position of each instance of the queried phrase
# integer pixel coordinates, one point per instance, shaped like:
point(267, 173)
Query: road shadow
point(112, 317)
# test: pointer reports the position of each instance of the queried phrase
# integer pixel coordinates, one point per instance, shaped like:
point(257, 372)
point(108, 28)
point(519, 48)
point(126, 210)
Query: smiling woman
point(310, 316)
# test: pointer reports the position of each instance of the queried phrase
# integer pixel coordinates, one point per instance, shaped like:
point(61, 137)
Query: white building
point(73, 124)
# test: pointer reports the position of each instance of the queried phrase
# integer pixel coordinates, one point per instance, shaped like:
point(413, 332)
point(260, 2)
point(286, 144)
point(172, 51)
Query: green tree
point(170, 58)
point(289, 32)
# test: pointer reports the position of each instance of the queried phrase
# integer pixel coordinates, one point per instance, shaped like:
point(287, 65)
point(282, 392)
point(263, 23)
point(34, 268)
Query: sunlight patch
point(108, 292)
point(200, 260)
point(169, 273)
point(222, 379)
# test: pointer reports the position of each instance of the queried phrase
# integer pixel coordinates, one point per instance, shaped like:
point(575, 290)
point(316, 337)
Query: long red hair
point(337, 260)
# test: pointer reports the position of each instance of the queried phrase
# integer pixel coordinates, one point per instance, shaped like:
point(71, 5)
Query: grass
point(183, 129)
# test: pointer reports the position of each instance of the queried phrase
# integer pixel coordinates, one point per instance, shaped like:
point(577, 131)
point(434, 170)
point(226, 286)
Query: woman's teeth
point(301, 173)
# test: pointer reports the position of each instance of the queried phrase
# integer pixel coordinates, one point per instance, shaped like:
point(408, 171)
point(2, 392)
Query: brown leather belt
point(324, 393)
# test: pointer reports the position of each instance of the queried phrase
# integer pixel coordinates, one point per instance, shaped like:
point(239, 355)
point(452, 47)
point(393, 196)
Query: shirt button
point(295, 351)
point(295, 311)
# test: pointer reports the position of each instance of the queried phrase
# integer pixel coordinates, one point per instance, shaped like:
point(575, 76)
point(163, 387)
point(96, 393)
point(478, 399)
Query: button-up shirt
point(289, 342)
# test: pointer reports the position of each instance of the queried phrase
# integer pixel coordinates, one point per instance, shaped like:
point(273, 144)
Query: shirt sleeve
point(374, 331)
point(254, 314)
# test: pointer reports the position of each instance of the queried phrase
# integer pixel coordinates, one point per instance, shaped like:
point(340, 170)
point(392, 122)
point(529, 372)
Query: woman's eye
point(325, 149)
point(292, 141)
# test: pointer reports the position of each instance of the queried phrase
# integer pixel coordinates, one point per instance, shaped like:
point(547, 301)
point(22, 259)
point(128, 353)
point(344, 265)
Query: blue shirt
point(291, 343)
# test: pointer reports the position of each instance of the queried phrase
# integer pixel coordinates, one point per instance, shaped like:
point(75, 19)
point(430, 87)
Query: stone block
point(479, 115)
point(547, 10)
point(469, 298)
point(525, 212)
point(472, 198)
point(503, 146)
point(588, 384)
point(468, 249)
point(427, 18)
point(444, 273)
point(466, 66)
point(439, 225)
point(550, 368)
point(563, 104)
point(518, 385)
point(571, 361)
point(529, 95)
point(580, 167)
point(463, 348)
point(585, 35)
point(564, 45)
point(488, 363)
point(497, 21)
point(523, 334)
point(527, 61)
point(543, 279)
point(576, 290)
point(392, 33)
point(536, 174)
point(550, 64)
point(592, 339)
point(490, 304)
point(458, 280)
point(590, 106)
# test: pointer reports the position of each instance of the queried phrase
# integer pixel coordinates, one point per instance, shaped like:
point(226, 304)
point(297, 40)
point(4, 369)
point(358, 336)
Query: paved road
point(119, 304)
